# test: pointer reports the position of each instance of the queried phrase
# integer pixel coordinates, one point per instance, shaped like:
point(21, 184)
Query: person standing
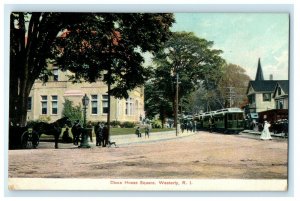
point(147, 130)
point(76, 131)
point(105, 135)
point(98, 132)
point(138, 132)
point(265, 134)
point(210, 125)
point(66, 137)
point(89, 128)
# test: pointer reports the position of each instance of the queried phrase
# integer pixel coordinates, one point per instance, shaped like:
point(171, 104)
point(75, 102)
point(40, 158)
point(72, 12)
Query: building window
point(105, 104)
point(136, 108)
point(129, 106)
point(266, 97)
point(44, 104)
point(29, 103)
point(94, 102)
point(55, 74)
point(279, 104)
point(54, 104)
point(279, 91)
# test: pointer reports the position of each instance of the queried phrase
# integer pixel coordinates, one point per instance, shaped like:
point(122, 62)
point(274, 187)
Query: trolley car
point(229, 120)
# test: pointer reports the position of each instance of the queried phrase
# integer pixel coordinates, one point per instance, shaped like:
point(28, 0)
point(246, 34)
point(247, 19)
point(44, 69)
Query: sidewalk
point(154, 137)
point(282, 135)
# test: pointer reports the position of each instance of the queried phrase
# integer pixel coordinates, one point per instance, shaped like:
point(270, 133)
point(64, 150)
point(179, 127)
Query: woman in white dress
point(265, 134)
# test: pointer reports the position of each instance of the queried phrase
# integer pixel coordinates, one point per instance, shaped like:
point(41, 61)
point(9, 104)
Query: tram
point(228, 120)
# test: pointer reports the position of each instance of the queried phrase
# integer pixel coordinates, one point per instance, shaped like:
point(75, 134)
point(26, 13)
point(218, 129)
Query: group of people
point(100, 130)
point(188, 126)
point(147, 131)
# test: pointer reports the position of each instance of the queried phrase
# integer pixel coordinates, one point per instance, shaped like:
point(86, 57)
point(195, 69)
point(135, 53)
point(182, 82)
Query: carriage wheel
point(25, 142)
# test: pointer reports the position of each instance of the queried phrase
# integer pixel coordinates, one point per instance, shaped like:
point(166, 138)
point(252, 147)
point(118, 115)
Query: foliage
point(156, 124)
point(72, 112)
point(156, 103)
point(193, 59)
point(206, 99)
point(93, 46)
point(235, 77)
point(115, 123)
point(108, 47)
point(127, 124)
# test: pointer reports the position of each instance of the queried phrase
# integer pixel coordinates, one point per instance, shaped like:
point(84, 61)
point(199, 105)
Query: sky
point(244, 37)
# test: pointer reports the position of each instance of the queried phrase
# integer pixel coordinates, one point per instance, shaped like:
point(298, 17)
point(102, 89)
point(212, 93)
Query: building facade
point(46, 100)
point(264, 95)
point(281, 95)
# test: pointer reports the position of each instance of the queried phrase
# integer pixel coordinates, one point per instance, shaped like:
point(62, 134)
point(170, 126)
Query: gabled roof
point(263, 85)
point(284, 85)
point(268, 85)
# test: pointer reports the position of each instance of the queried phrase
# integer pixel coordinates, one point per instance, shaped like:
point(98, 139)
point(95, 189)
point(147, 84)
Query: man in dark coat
point(105, 135)
point(98, 133)
point(76, 131)
point(89, 128)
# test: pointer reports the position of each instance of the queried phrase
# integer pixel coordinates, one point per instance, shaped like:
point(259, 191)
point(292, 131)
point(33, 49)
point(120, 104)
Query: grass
point(125, 131)
point(119, 131)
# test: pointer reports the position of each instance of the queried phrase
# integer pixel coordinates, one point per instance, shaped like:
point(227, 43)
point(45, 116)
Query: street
point(163, 155)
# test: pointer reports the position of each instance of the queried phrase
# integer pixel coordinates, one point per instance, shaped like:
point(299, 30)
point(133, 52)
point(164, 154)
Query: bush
point(156, 123)
point(128, 124)
point(72, 112)
point(94, 123)
point(115, 123)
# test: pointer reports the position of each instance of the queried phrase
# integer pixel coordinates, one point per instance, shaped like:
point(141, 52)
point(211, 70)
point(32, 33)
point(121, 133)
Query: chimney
point(271, 76)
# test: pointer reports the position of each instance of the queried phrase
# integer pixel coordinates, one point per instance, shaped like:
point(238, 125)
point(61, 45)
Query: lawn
point(124, 131)
point(119, 131)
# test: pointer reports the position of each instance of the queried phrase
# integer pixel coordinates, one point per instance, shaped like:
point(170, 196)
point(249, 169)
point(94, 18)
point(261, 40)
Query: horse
point(52, 128)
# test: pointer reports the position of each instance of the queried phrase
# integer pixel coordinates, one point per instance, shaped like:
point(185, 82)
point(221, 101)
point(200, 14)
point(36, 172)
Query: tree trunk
point(174, 112)
point(163, 118)
point(108, 113)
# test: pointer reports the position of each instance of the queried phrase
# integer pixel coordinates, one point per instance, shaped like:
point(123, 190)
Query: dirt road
point(199, 155)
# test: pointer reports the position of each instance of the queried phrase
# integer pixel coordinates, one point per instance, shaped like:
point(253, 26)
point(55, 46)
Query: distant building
point(281, 95)
point(267, 94)
point(45, 101)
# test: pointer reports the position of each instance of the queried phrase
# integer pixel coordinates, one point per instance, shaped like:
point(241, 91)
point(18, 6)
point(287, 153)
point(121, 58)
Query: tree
point(192, 58)
point(230, 91)
point(72, 112)
point(95, 44)
point(233, 85)
point(156, 103)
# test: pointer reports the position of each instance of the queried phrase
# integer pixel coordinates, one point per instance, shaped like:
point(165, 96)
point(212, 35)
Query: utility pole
point(176, 110)
point(231, 95)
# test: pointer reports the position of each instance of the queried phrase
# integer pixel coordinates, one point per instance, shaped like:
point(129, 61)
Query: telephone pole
point(176, 109)
point(231, 95)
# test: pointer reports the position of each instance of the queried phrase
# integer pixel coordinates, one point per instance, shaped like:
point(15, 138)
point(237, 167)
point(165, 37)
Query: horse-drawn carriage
point(29, 139)
point(29, 136)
